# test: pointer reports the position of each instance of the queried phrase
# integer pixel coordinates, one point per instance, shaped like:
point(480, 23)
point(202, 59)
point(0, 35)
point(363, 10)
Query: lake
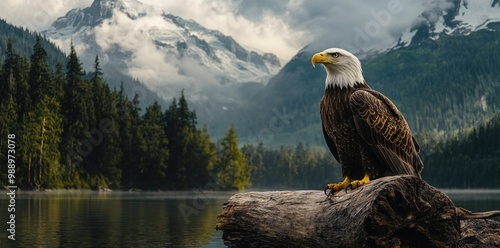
point(141, 219)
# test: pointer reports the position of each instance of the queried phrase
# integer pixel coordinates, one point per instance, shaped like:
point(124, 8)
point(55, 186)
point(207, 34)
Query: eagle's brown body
point(367, 134)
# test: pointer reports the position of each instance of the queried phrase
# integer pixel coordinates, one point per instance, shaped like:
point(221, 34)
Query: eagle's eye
point(335, 55)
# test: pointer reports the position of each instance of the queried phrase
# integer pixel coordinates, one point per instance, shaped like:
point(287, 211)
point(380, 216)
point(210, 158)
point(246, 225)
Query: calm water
point(140, 219)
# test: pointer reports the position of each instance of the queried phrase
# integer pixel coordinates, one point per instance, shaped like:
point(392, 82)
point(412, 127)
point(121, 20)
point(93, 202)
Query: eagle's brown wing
point(331, 145)
point(384, 128)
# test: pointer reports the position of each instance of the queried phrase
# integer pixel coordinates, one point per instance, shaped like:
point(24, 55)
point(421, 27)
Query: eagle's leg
point(356, 183)
point(337, 186)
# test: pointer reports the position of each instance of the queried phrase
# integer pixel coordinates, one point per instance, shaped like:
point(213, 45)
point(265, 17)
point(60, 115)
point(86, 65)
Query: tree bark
point(397, 211)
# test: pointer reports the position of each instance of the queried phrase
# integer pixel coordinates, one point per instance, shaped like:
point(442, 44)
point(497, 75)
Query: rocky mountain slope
point(166, 52)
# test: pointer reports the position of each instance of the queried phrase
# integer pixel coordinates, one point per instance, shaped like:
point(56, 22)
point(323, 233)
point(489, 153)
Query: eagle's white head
point(343, 69)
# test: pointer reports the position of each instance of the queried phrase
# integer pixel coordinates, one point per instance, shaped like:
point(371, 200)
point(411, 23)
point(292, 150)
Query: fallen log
point(398, 211)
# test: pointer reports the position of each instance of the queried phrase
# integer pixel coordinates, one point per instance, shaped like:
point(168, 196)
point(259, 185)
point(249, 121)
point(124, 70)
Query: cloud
point(163, 72)
point(434, 9)
point(285, 26)
point(259, 30)
point(278, 26)
point(35, 14)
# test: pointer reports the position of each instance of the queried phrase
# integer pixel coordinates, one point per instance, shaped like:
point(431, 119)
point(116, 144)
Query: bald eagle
point(363, 129)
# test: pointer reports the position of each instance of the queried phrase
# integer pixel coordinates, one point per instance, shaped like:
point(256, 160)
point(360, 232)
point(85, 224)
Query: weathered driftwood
point(480, 233)
point(389, 212)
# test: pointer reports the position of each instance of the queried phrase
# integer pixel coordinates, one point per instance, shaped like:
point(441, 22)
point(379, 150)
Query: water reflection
point(476, 200)
point(117, 219)
point(142, 219)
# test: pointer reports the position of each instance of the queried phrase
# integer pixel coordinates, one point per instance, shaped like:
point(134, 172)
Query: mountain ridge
point(173, 37)
point(168, 54)
point(461, 18)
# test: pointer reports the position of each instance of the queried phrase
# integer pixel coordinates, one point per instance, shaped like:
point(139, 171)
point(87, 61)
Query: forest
point(73, 132)
point(471, 160)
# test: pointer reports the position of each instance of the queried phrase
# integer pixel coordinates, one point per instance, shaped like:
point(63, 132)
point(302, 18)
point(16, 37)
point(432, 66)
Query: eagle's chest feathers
point(337, 117)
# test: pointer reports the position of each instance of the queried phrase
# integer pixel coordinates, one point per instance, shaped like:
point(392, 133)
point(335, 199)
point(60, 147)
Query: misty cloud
point(35, 14)
point(165, 73)
point(277, 26)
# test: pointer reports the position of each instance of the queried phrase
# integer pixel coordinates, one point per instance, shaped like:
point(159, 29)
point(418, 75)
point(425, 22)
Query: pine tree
point(255, 161)
point(20, 78)
point(127, 144)
point(179, 124)
point(103, 162)
point(8, 125)
point(231, 167)
point(58, 82)
point(78, 112)
point(131, 160)
point(187, 118)
point(39, 76)
point(200, 159)
point(176, 146)
point(109, 151)
point(40, 136)
point(153, 152)
point(7, 82)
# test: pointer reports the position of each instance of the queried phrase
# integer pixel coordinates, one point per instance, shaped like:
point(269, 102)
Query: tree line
point(72, 131)
point(468, 160)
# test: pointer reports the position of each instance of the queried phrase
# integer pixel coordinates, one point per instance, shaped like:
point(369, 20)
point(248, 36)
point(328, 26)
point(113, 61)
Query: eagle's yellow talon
point(357, 183)
point(337, 186)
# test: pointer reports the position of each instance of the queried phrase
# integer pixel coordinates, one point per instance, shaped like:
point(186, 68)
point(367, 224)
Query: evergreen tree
point(127, 144)
point(7, 82)
point(78, 112)
point(39, 76)
point(133, 146)
point(8, 125)
point(200, 158)
point(40, 136)
point(58, 82)
point(186, 118)
point(179, 125)
point(103, 163)
point(153, 152)
point(109, 151)
point(231, 168)
point(255, 161)
point(15, 80)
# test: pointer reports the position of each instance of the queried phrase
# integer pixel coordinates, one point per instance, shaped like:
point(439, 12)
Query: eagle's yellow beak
point(321, 58)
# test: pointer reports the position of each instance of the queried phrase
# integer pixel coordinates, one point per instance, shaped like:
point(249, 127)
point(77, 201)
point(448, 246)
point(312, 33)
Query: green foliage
point(41, 130)
point(25, 41)
point(299, 167)
point(39, 77)
point(154, 151)
point(231, 166)
point(8, 125)
point(200, 160)
point(468, 162)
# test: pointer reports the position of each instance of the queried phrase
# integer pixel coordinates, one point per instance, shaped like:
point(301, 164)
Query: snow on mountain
point(459, 17)
point(166, 52)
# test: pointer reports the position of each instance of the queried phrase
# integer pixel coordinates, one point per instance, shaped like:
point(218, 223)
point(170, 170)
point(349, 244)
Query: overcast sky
point(281, 27)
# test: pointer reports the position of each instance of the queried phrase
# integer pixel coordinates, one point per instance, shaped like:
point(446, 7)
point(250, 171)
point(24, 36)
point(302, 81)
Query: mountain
point(463, 17)
point(443, 80)
point(80, 20)
point(166, 52)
